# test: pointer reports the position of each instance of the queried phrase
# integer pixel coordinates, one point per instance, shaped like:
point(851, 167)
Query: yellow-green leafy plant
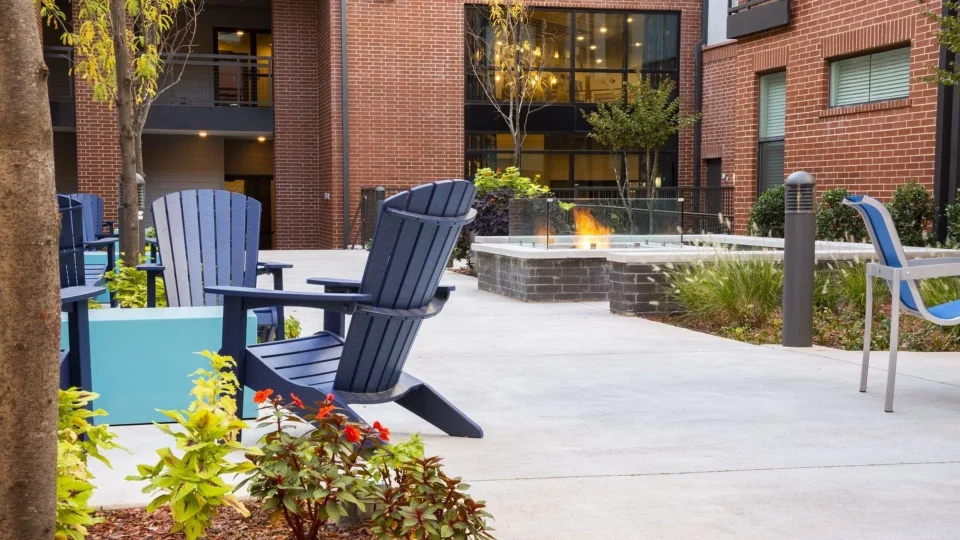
point(129, 286)
point(291, 327)
point(191, 480)
point(77, 441)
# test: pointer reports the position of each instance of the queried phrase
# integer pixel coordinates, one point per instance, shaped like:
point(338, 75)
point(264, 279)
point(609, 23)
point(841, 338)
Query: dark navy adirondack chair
point(415, 235)
point(74, 292)
point(73, 270)
point(207, 238)
point(94, 227)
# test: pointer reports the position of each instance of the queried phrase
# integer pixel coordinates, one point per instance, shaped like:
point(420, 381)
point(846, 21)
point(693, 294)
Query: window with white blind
point(773, 116)
point(872, 77)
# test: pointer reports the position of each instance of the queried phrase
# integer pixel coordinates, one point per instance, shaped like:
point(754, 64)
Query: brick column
point(296, 124)
point(98, 147)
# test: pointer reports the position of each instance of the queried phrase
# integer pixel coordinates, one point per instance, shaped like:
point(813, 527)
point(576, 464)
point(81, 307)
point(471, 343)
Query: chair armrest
point(267, 265)
point(69, 295)
point(153, 270)
point(932, 261)
point(102, 242)
point(151, 241)
point(931, 271)
point(253, 298)
point(346, 285)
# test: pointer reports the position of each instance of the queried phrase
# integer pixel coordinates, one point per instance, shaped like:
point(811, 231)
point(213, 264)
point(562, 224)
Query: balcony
point(746, 17)
point(217, 80)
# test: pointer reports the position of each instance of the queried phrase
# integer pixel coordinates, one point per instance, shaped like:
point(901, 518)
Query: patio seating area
point(604, 426)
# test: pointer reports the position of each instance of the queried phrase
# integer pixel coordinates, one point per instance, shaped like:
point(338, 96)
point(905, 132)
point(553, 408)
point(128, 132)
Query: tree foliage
point(643, 119)
point(507, 60)
point(949, 37)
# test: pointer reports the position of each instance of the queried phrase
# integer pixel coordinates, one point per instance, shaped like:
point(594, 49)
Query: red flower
point(329, 398)
point(296, 400)
point(352, 434)
point(262, 395)
point(384, 432)
point(324, 411)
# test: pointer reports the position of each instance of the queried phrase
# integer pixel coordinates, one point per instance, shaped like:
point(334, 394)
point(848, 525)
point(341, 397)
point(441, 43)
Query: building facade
point(263, 107)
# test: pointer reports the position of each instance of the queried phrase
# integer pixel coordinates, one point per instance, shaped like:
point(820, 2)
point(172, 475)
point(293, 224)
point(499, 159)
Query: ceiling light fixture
point(593, 47)
point(629, 19)
point(580, 38)
point(637, 44)
point(556, 54)
point(599, 60)
point(603, 29)
point(261, 138)
point(202, 134)
point(239, 32)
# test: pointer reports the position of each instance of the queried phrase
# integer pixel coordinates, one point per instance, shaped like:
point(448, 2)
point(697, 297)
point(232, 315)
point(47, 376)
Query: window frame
point(833, 80)
point(769, 140)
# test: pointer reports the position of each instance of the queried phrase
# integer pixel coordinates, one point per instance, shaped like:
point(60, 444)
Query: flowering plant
point(192, 484)
point(315, 477)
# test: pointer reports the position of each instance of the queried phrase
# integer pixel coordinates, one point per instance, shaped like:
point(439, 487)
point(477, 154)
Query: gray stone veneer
point(543, 280)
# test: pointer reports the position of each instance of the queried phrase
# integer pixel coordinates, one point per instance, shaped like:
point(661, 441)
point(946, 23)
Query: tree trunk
point(130, 244)
point(29, 283)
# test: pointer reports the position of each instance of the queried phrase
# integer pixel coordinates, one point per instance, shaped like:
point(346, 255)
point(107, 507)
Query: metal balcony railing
point(222, 80)
point(746, 17)
point(60, 83)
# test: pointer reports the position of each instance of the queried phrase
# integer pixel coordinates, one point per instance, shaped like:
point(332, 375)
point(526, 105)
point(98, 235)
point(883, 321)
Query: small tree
point(124, 69)
point(507, 60)
point(29, 282)
point(949, 37)
point(658, 118)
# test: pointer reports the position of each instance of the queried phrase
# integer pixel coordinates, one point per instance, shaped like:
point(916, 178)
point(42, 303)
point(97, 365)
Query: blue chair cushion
point(950, 310)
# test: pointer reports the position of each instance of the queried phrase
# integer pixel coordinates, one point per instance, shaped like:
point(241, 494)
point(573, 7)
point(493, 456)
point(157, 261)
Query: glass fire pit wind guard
point(593, 223)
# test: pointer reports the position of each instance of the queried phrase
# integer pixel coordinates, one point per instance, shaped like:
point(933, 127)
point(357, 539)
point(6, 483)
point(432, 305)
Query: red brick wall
point(406, 89)
point(868, 149)
point(719, 114)
point(296, 131)
point(98, 147)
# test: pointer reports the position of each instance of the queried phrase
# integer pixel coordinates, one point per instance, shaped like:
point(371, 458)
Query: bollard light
point(799, 259)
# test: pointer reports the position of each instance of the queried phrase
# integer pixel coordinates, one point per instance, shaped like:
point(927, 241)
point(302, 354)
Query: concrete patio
point(599, 426)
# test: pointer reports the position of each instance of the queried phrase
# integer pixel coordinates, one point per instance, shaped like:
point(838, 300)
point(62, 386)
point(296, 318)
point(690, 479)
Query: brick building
point(260, 107)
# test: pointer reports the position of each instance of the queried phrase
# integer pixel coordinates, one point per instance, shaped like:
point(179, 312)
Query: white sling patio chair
point(901, 275)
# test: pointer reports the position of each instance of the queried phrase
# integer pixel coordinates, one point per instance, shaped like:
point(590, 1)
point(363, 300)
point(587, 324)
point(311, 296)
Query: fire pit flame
point(590, 233)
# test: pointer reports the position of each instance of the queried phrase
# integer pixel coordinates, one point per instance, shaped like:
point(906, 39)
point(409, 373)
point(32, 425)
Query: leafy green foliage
point(949, 37)
point(843, 285)
point(77, 441)
point(838, 222)
point(414, 498)
point(149, 232)
point(488, 180)
point(193, 484)
point(310, 479)
point(912, 212)
point(953, 224)
point(645, 120)
point(727, 291)
point(291, 327)
point(130, 286)
point(768, 214)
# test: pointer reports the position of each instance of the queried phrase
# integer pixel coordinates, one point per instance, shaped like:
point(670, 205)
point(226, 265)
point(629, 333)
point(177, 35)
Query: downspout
point(698, 99)
point(345, 128)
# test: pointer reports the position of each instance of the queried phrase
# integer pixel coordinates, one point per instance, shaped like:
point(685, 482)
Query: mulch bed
point(136, 524)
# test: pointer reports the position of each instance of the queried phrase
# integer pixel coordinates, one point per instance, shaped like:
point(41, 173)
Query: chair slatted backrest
point(206, 238)
point(886, 241)
point(92, 214)
point(406, 261)
point(70, 245)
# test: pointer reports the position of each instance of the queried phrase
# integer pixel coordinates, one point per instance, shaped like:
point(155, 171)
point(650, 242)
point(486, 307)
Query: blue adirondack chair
point(94, 226)
point(414, 237)
point(206, 238)
point(74, 292)
point(80, 227)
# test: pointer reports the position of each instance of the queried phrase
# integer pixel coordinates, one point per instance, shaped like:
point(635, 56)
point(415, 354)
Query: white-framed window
point(773, 116)
point(872, 77)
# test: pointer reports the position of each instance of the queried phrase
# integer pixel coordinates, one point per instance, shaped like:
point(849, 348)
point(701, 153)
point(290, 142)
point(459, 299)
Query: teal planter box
point(141, 358)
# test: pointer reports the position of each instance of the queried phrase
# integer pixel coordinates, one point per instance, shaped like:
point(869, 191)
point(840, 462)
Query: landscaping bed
point(137, 524)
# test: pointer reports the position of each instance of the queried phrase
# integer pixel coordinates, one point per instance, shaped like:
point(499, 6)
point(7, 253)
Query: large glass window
point(587, 57)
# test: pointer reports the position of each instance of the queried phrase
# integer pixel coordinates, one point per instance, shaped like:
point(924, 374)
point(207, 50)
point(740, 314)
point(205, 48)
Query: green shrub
point(836, 221)
point(77, 441)
point(843, 285)
point(488, 180)
point(129, 286)
point(728, 291)
point(953, 224)
point(191, 481)
point(291, 327)
point(767, 214)
point(912, 211)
